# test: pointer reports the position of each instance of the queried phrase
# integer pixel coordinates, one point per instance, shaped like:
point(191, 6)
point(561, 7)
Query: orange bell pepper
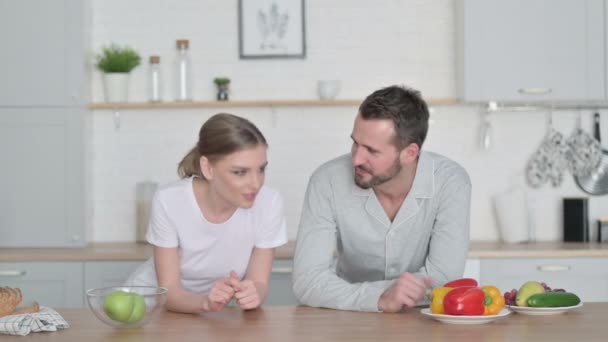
point(437, 296)
point(494, 301)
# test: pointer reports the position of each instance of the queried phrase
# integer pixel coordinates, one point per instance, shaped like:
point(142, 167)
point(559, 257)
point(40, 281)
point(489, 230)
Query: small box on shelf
point(602, 230)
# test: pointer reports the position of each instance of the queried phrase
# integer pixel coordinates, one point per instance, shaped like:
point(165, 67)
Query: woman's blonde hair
point(219, 136)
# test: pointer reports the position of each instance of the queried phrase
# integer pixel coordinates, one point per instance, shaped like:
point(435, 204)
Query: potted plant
point(116, 63)
point(222, 84)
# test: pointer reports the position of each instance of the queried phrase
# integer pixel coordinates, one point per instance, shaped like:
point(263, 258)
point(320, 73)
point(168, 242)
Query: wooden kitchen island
point(296, 323)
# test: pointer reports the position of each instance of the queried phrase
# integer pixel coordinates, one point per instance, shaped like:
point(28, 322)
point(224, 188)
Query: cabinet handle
point(282, 270)
point(12, 273)
point(535, 91)
point(553, 268)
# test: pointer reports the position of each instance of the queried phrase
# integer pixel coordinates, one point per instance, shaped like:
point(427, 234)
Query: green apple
point(139, 309)
point(124, 306)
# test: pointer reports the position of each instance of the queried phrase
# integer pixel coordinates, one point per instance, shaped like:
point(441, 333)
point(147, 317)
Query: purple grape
point(546, 287)
point(510, 297)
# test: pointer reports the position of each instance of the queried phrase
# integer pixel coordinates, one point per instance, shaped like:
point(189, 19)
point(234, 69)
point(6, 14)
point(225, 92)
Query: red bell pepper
point(465, 301)
point(461, 282)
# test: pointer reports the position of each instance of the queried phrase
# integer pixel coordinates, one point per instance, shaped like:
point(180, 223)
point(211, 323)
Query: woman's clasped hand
point(224, 290)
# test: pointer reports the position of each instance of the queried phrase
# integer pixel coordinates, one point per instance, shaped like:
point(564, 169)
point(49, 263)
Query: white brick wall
point(366, 44)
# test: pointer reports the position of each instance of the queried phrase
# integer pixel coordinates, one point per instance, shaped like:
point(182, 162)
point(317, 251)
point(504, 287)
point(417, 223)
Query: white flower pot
point(116, 86)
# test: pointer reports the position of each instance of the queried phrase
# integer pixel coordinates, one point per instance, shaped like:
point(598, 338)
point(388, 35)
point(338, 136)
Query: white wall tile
point(366, 44)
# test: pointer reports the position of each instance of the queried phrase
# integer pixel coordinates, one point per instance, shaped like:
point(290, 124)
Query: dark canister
point(576, 220)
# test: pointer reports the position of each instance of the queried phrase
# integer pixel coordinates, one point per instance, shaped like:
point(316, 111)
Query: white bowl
point(328, 89)
point(153, 297)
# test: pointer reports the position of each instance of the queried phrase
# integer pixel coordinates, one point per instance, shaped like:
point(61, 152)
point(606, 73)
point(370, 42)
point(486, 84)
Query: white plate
point(454, 319)
point(526, 310)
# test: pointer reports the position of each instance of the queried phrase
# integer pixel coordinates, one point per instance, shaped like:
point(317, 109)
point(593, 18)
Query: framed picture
point(272, 29)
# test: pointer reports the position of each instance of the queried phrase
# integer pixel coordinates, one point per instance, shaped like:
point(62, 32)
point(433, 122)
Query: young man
point(384, 223)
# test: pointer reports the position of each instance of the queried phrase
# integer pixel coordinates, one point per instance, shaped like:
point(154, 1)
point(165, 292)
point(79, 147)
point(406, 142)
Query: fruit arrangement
point(465, 297)
point(540, 295)
point(124, 306)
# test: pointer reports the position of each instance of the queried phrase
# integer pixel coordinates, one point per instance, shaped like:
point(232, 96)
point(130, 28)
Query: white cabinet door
point(532, 50)
point(471, 269)
point(43, 53)
point(587, 277)
point(53, 284)
point(280, 291)
point(108, 273)
point(42, 178)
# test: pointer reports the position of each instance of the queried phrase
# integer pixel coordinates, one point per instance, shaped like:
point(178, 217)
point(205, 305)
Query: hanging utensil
point(596, 182)
point(485, 132)
point(548, 162)
point(584, 152)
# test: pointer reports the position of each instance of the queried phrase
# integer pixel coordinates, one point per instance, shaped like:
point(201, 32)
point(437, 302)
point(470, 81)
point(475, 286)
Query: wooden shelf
point(247, 103)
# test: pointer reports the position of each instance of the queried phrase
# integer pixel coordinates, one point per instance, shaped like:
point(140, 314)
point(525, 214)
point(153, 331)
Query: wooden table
point(290, 323)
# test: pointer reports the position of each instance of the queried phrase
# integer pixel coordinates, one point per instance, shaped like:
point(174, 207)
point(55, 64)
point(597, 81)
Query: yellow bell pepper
point(494, 301)
point(437, 296)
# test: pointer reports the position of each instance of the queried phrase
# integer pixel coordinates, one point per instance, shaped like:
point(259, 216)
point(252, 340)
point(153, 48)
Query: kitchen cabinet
point(43, 123)
point(279, 291)
point(53, 284)
point(587, 277)
point(43, 56)
point(114, 273)
point(108, 273)
point(42, 178)
point(531, 50)
point(471, 269)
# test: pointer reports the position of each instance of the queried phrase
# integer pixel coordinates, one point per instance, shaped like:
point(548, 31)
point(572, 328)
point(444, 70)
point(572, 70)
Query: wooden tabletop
point(290, 323)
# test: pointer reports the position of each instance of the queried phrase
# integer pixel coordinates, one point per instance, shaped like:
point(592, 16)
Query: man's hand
point(406, 291)
point(247, 295)
point(220, 294)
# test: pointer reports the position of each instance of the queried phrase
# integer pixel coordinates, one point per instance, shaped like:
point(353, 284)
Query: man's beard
point(378, 179)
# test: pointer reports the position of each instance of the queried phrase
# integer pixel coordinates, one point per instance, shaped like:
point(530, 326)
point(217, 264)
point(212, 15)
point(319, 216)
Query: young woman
point(215, 230)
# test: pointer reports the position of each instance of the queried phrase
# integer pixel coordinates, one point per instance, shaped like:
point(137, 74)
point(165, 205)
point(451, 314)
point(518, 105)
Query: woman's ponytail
point(190, 164)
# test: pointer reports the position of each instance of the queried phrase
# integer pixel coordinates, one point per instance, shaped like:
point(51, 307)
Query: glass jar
point(183, 72)
point(154, 80)
point(144, 193)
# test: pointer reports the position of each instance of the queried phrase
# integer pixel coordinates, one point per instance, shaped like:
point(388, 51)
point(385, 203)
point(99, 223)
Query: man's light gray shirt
point(348, 251)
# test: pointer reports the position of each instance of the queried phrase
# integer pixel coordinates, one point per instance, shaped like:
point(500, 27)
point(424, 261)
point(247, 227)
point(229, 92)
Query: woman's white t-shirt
point(209, 251)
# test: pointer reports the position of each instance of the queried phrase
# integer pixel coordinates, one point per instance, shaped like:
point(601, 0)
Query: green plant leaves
point(115, 58)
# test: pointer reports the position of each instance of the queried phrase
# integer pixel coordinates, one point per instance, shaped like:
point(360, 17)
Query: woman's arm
point(166, 262)
point(252, 291)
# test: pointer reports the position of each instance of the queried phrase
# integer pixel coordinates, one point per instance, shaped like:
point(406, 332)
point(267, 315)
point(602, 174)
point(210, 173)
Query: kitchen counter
point(140, 251)
point(101, 252)
point(295, 323)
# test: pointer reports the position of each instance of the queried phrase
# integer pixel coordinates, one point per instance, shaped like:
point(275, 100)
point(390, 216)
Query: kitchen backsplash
point(419, 52)
point(151, 142)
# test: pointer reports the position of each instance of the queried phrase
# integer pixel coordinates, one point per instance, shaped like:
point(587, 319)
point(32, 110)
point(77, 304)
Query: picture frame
point(272, 29)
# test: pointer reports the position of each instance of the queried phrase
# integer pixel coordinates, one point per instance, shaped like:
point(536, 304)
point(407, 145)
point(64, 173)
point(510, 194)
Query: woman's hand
point(220, 294)
point(247, 294)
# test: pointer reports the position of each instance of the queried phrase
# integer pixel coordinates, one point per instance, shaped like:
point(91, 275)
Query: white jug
point(513, 216)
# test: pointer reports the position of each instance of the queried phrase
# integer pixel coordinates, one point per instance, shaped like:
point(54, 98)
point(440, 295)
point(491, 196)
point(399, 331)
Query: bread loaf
point(10, 298)
point(25, 309)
